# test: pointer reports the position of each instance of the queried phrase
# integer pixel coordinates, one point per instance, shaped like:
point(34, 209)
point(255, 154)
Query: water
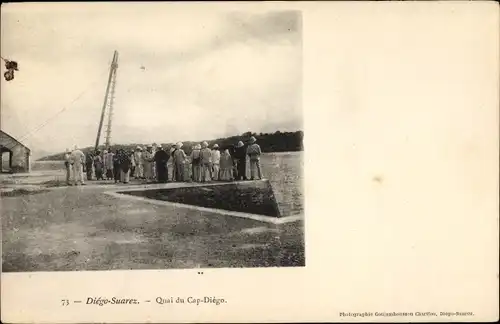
point(284, 171)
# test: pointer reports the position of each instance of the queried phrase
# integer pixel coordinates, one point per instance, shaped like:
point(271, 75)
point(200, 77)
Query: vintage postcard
point(249, 162)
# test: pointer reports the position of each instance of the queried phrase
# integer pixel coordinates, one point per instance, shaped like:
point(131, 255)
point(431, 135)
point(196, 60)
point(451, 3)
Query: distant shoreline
point(277, 142)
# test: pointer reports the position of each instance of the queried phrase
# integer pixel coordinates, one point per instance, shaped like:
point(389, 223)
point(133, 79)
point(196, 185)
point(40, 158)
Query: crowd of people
point(151, 163)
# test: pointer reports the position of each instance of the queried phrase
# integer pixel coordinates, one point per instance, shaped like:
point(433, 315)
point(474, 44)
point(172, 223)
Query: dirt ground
point(81, 228)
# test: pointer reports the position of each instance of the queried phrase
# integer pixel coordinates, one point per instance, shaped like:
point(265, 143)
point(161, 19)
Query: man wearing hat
point(161, 158)
point(241, 161)
point(139, 164)
point(98, 165)
point(78, 159)
point(67, 164)
point(178, 160)
point(148, 162)
point(206, 157)
point(196, 163)
point(153, 164)
point(89, 161)
point(254, 152)
point(109, 164)
point(215, 162)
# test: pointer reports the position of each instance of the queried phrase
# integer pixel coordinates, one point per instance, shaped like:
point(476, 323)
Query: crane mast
point(110, 109)
point(108, 102)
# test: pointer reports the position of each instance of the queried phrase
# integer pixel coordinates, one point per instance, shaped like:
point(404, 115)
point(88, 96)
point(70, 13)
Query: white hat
point(216, 145)
point(204, 144)
point(138, 148)
point(253, 139)
point(179, 144)
point(240, 144)
point(197, 147)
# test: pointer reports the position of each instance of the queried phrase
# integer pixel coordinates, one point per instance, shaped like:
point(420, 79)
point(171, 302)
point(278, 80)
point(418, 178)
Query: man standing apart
point(78, 159)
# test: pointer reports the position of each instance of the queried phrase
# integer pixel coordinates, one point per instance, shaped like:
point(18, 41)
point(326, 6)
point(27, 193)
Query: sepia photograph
point(158, 161)
point(127, 147)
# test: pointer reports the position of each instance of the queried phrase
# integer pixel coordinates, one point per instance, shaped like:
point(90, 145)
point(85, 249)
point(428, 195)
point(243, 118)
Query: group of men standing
point(120, 165)
point(204, 164)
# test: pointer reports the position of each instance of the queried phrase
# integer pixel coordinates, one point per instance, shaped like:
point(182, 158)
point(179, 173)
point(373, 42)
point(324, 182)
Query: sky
point(207, 73)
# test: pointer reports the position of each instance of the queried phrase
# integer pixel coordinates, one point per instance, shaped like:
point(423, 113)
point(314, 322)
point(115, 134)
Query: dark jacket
point(240, 153)
point(161, 157)
point(123, 160)
point(89, 159)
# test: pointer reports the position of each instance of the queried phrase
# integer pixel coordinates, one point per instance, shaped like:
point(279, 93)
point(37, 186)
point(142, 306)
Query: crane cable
point(28, 134)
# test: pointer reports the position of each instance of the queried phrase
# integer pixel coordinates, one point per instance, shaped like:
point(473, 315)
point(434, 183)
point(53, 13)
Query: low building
point(15, 155)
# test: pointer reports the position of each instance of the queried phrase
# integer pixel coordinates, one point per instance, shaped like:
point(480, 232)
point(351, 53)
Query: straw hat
point(240, 144)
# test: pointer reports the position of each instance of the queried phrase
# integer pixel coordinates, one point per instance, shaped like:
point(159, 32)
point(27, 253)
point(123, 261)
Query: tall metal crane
point(108, 102)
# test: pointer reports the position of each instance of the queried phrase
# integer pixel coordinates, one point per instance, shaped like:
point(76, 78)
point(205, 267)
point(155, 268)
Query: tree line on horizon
point(269, 143)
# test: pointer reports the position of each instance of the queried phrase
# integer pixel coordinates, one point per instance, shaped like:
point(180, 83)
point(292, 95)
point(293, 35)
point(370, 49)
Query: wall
point(20, 154)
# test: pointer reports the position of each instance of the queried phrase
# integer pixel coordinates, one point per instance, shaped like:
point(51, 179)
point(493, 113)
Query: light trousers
point(78, 173)
point(139, 171)
point(216, 169)
point(205, 173)
point(255, 169)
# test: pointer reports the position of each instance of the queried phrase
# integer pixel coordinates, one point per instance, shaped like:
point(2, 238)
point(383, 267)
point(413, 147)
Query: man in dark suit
point(161, 158)
point(240, 156)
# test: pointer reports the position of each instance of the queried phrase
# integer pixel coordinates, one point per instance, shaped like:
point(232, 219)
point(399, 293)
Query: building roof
point(2, 133)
